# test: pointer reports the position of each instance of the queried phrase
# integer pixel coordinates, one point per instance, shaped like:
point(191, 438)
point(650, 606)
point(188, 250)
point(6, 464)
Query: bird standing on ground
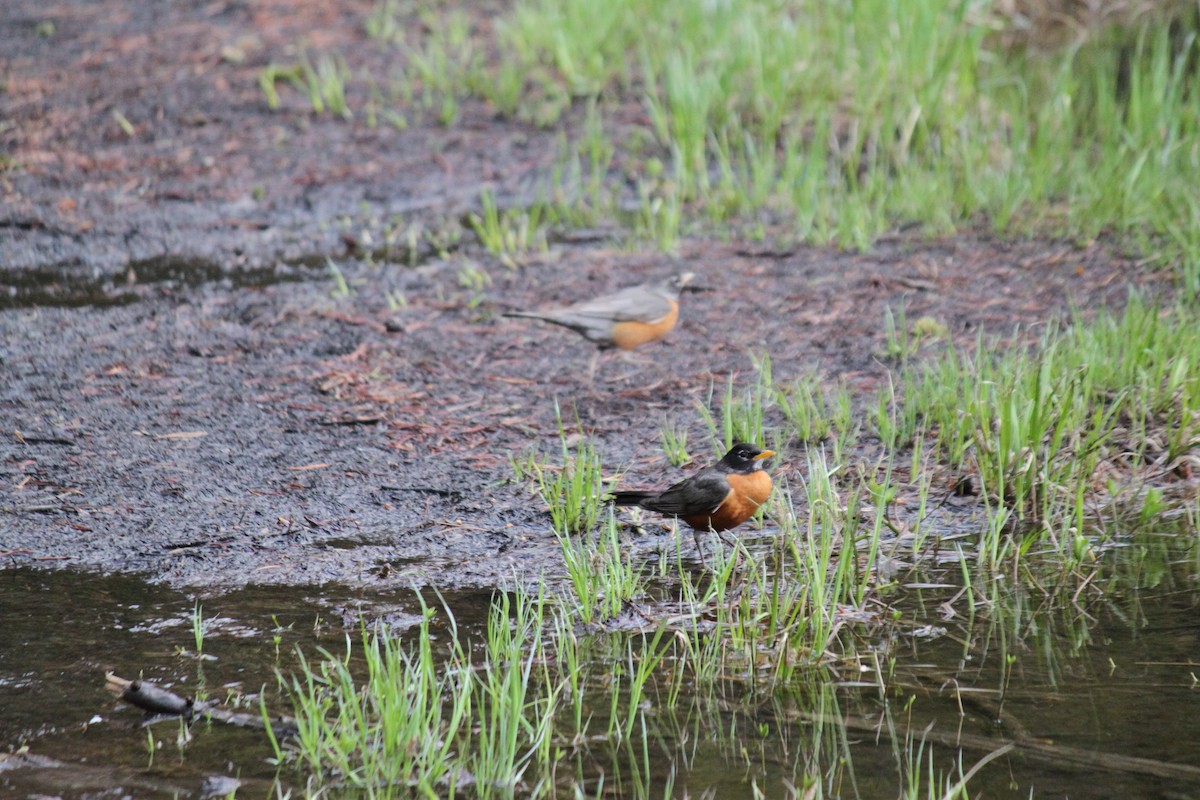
point(630, 318)
point(717, 498)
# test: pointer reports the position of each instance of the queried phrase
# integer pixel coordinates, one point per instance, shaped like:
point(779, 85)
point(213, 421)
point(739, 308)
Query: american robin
point(632, 317)
point(716, 498)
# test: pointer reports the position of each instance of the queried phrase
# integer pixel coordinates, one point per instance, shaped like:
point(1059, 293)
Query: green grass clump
point(199, 627)
point(324, 83)
point(773, 412)
point(743, 414)
point(509, 235)
point(573, 492)
point(1036, 422)
point(1147, 360)
point(442, 62)
point(419, 723)
point(813, 414)
point(515, 696)
point(602, 574)
point(674, 441)
point(399, 727)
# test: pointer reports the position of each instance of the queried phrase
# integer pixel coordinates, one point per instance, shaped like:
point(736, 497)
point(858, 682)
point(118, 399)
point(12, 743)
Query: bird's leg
point(646, 381)
point(699, 548)
point(591, 376)
point(638, 364)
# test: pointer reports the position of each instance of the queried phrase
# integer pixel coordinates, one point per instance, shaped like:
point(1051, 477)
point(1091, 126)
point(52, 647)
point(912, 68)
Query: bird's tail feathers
point(552, 317)
point(629, 498)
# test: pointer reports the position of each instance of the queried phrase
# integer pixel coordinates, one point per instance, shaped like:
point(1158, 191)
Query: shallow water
point(62, 631)
point(1113, 676)
point(71, 288)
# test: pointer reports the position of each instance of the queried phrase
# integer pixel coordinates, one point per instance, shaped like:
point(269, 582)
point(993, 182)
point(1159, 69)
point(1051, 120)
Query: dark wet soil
point(220, 435)
point(186, 395)
point(207, 171)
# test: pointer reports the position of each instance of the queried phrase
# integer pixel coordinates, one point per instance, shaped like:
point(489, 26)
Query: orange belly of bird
point(747, 493)
point(629, 334)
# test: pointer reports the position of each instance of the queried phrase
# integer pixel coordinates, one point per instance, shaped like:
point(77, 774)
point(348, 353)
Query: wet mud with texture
point(185, 396)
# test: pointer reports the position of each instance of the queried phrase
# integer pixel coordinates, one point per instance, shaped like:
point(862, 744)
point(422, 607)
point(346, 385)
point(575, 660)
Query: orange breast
point(629, 334)
point(747, 493)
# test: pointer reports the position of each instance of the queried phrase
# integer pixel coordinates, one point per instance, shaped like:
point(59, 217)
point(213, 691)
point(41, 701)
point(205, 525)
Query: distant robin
point(717, 498)
point(626, 319)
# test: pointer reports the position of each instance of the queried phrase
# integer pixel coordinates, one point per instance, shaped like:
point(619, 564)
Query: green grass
point(1036, 422)
point(383, 22)
point(516, 697)
point(741, 416)
point(603, 576)
point(834, 122)
point(755, 656)
point(199, 627)
point(674, 441)
point(815, 415)
point(774, 412)
point(574, 493)
point(341, 287)
point(399, 727)
point(323, 83)
point(900, 341)
point(826, 122)
point(473, 280)
point(509, 235)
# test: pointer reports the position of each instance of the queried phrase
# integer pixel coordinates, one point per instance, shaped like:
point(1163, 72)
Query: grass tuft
point(603, 576)
point(573, 492)
point(509, 235)
point(1036, 423)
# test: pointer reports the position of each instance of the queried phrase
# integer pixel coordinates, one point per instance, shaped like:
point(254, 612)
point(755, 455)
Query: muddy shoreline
point(188, 395)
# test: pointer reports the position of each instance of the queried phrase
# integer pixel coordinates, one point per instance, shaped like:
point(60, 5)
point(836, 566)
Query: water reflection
point(1091, 675)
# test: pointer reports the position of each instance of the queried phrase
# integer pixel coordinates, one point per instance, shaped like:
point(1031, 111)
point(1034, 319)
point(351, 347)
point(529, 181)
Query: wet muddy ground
point(186, 394)
point(224, 435)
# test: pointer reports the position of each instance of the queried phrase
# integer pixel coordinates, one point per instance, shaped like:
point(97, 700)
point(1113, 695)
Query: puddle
point(1103, 695)
point(63, 286)
point(62, 631)
point(67, 285)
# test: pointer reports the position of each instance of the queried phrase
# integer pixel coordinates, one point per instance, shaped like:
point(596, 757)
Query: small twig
point(26, 438)
point(452, 493)
point(158, 702)
point(45, 508)
point(370, 420)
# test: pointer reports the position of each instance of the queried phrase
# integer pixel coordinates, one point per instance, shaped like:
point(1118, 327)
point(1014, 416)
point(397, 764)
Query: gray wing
point(594, 329)
point(637, 303)
point(699, 494)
